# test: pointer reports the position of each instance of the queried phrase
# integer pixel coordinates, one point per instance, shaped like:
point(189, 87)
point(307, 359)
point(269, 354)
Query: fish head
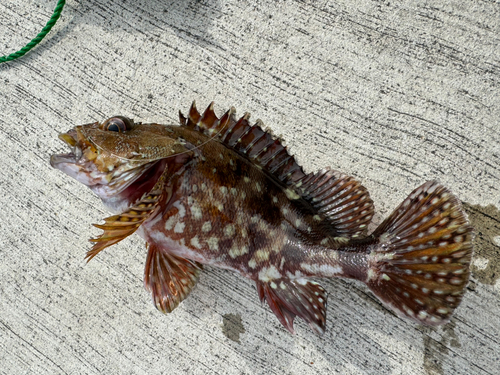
point(110, 156)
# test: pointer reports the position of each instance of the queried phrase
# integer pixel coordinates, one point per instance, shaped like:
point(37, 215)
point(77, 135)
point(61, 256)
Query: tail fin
point(420, 267)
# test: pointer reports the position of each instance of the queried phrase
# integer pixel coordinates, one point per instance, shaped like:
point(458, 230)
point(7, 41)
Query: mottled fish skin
point(225, 193)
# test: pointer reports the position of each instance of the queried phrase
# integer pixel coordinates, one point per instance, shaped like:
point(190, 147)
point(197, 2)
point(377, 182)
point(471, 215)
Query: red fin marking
point(118, 227)
point(341, 199)
point(169, 278)
point(421, 265)
point(290, 298)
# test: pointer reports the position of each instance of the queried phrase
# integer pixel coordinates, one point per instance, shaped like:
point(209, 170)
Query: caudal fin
point(421, 265)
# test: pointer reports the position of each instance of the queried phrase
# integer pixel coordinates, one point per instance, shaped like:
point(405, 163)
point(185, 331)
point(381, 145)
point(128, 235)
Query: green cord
point(39, 37)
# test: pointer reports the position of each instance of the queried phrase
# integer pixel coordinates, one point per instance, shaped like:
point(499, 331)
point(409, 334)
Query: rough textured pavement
point(394, 93)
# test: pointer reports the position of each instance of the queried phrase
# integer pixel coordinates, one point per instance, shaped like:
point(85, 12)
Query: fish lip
point(62, 158)
point(70, 138)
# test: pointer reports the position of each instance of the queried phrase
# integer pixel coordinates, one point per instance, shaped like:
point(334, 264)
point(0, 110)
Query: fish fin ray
point(341, 199)
point(421, 267)
point(290, 298)
point(169, 278)
point(118, 227)
point(259, 146)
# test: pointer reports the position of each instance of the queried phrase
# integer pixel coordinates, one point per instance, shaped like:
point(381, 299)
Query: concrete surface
point(394, 93)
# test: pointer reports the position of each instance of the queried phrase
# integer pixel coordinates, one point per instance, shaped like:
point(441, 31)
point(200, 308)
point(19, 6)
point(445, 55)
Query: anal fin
point(169, 278)
point(290, 298)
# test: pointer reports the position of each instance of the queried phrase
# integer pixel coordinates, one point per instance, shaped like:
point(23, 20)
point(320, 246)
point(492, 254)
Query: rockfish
point(223, 192)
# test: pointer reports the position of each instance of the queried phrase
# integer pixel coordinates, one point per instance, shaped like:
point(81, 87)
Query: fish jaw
point(75, 165)
point(90, 166)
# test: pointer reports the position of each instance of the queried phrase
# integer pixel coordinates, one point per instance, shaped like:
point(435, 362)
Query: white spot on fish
point(196, 211)
point(229, 230)
point(207, 226)
point(257, 186)
point(180, 207)
point(171, 221)
point(261, 255)
point(237, 251)
point(194, 188)
point(213, 243)
point(267, 274)
point(292, 195)
point(322, 269)
point(179, 227)
point(223, 190)
point(443, 310)
point(246, 179)
point(275, 200)
point(252, 263)
point(371, 275)
point(422, 314)
point(195, 242)
point(234, 191)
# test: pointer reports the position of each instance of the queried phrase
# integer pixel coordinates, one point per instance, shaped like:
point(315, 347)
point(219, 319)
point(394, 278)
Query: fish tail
point(419, 265)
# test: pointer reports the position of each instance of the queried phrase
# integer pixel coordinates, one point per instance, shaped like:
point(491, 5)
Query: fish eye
point(117, 124)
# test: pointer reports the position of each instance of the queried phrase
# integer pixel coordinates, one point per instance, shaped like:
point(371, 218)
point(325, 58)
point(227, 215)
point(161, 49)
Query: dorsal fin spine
point(209, 120)
point(284, 161)
point(193, 116)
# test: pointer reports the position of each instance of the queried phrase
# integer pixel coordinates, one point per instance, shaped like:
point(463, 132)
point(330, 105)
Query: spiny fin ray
point(290, 298)
point(118, 227)
point(252, 142)
point(341, 199)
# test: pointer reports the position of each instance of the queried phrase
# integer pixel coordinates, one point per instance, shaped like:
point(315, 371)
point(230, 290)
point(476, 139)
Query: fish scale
point(223, 192)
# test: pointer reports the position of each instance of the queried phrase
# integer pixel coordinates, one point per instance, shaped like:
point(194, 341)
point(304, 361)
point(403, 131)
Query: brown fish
point(228, 194)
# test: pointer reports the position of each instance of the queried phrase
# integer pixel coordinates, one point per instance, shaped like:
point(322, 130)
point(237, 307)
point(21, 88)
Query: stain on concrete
point(486, 260)
point(232, 327)
point(436, 350)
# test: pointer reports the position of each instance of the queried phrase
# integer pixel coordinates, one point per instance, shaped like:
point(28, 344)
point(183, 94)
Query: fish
point(225, 193)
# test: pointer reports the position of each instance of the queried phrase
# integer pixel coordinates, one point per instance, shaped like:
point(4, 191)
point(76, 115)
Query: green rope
point(39, 37)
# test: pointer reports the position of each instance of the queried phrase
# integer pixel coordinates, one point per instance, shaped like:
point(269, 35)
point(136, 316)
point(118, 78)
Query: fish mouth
point(72, 157)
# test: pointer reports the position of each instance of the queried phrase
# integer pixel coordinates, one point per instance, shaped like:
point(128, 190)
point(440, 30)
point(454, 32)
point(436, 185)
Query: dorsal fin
point(342, 200)
point(259, 146)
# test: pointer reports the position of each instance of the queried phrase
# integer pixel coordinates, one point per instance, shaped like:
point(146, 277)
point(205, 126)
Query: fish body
point(225, 193)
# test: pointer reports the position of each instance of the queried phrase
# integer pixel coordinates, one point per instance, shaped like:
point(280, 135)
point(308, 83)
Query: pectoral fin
point(290, 298)
point(169, 278)
point(118, 227)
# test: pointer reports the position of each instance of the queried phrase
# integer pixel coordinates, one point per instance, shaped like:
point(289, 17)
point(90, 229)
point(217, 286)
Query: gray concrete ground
point(394, 93)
